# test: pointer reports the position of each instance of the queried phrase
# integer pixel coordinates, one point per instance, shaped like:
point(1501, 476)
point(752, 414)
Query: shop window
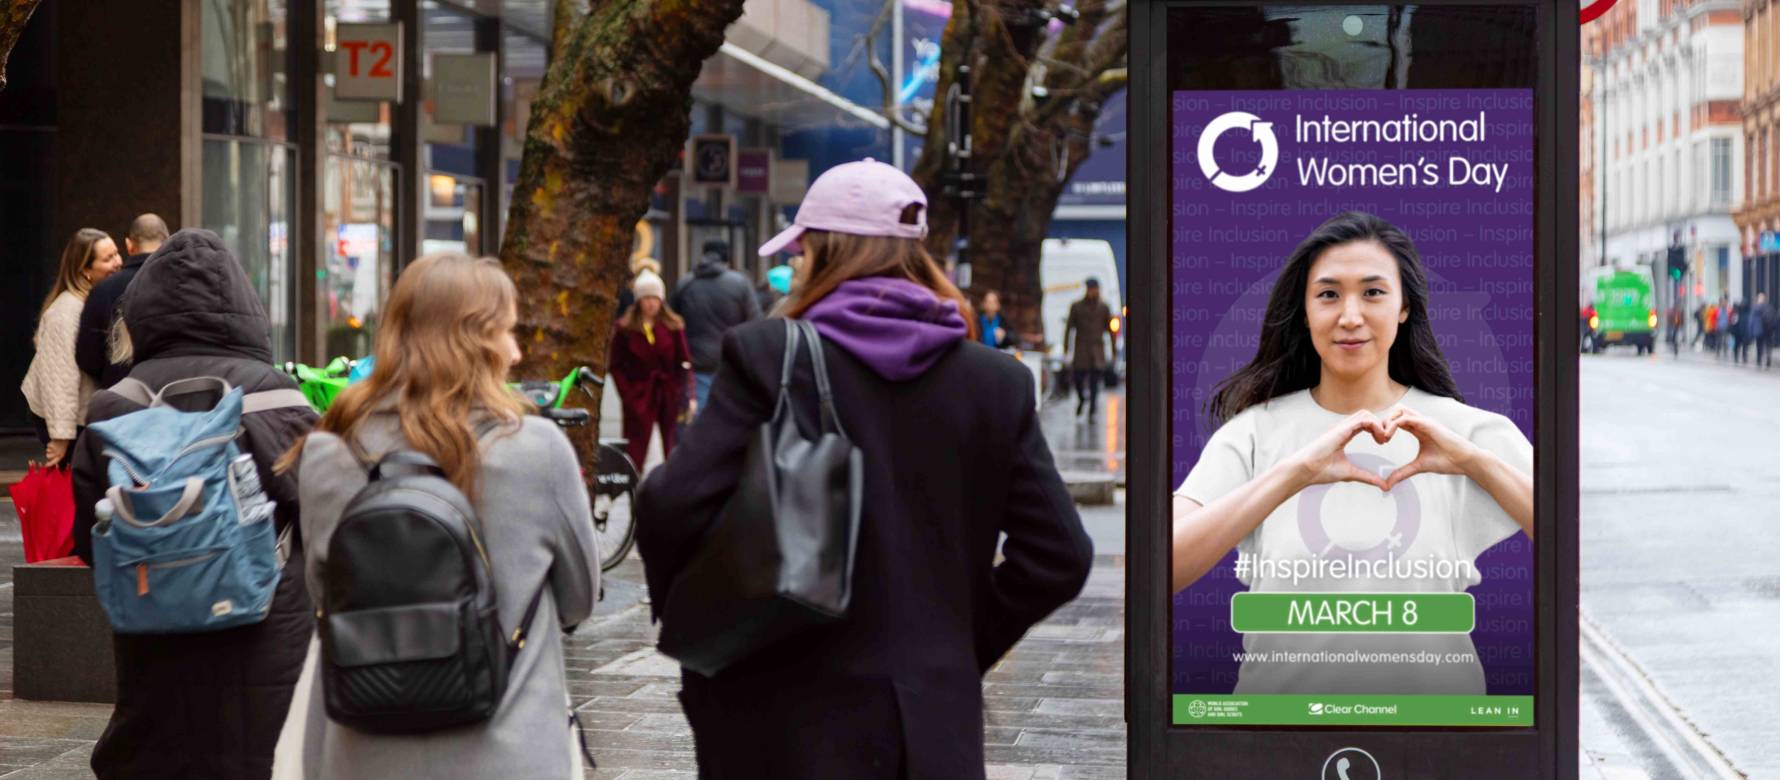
point(358, 253)
point(250, 192)
point(246, 68)
point(248, 179)
point(453, 209)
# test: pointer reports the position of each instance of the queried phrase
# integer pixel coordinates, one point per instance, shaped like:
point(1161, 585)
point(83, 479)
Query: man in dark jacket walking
point(205, 706)
point(1086, 330)
point(713, 300)
point(1761, 330)
point(92, 349)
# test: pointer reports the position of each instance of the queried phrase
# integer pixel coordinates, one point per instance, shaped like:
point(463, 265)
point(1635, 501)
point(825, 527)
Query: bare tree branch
point(12, 25)
point(888, 82)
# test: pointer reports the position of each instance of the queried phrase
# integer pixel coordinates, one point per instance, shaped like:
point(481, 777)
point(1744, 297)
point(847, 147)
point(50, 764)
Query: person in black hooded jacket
point(198, 706)
point(713, 300)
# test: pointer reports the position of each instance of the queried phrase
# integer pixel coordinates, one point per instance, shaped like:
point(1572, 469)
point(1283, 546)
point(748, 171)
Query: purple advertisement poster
point(1352, 407)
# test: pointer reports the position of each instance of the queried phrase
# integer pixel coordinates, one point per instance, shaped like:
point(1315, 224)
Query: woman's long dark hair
point(1286, 360)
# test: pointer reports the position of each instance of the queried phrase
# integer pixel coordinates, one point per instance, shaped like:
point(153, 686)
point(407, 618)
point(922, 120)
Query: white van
point(1064, 264)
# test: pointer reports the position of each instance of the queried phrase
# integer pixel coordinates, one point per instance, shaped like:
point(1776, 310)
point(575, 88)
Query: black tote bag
point(779, 559)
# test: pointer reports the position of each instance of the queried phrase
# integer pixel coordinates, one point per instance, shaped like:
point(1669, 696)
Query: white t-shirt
point(1422, 537)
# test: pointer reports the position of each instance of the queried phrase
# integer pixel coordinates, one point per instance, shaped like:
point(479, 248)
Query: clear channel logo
point(1261, 132)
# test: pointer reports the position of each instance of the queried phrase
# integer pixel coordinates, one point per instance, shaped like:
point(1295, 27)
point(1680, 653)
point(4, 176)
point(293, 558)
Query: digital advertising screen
point(1351, 303)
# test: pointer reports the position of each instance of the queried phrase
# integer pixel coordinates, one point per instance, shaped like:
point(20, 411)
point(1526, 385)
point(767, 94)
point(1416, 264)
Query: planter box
point(61, 649)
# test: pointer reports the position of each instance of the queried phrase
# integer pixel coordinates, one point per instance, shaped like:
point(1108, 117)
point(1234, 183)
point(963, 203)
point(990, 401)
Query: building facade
point(1664, 129)
point(1759, 217)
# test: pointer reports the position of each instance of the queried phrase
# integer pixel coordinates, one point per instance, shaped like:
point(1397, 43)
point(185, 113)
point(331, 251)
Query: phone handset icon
point(1351, 763)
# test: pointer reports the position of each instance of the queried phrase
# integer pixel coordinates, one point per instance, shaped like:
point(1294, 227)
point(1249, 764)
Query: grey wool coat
point(537, 525)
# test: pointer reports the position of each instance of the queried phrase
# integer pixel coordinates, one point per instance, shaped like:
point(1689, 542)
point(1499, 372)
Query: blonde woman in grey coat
point(443, 353)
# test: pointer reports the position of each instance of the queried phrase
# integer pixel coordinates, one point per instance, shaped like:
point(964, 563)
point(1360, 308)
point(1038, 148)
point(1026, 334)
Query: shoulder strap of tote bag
point(791, 339)
point(831, 422)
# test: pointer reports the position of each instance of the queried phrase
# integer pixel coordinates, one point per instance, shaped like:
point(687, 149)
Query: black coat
point(92, 348)
point(202, 705)
point(895, 688)
point(713, 300)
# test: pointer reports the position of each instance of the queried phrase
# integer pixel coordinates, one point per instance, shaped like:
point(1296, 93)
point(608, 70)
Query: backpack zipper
point(118, 458)
point(143, 568)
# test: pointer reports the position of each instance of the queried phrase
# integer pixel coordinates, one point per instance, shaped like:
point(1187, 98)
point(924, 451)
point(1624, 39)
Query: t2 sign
point(368, 62)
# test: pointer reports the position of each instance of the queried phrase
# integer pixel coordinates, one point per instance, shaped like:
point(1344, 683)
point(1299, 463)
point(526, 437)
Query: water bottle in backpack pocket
point(184, 541)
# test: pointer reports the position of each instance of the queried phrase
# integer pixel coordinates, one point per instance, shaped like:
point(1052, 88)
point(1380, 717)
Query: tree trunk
point(12, 25)
point(611, 115)
point(1027, 148)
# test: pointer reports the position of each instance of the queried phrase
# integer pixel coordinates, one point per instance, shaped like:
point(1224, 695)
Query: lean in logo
point(1261, 132)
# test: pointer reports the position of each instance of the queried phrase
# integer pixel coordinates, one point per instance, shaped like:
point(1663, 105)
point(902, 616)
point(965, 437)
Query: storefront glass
point(358, 260)
point(451, 149)
point(250, 192)
point(249, 186)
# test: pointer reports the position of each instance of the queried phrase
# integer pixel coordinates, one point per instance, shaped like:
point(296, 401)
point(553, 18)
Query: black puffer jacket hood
point(193, 298)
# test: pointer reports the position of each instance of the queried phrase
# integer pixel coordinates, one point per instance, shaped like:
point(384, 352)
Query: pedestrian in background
point(1676, 321)
point(203, 706)
point(894, 688)
point(1086, 331)
point(93, 350)
point(1742, 326)
point(652, 367)
point(712, 300)
point(54, 386)
point(443, 353)
point(1761, 327)
point(991, 329)
point(626, 292)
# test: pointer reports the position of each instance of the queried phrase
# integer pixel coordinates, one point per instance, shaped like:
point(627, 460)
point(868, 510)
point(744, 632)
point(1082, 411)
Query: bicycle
point(612, 485)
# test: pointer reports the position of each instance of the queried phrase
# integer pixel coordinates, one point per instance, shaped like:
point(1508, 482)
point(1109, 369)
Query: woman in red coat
point(652, 366)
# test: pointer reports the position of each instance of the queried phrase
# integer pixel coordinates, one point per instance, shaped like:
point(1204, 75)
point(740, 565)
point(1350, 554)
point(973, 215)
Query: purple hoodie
point(897, 327)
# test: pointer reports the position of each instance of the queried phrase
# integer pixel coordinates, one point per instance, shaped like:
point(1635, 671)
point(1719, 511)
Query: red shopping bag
point(45, 503)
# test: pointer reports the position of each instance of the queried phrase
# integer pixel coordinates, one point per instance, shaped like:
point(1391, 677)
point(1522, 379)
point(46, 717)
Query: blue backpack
point(184, 539)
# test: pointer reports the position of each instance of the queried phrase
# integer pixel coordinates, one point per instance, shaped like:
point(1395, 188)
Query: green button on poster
point(1353, 613)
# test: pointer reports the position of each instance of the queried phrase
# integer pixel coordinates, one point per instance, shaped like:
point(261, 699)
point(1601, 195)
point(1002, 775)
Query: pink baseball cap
point(864, 198)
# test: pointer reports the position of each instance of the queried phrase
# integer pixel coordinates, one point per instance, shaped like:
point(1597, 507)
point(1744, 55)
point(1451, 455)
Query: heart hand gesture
point(1442, 451)
point(1324, 460)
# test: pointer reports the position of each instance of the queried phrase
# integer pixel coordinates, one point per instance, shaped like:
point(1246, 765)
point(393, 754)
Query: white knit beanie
point(648, 284)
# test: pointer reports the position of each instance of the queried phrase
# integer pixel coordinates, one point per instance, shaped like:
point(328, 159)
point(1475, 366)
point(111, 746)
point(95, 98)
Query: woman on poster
point(1309, 477)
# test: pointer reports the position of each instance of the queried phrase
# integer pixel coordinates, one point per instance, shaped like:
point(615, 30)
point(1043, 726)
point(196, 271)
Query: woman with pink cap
point(894, 688)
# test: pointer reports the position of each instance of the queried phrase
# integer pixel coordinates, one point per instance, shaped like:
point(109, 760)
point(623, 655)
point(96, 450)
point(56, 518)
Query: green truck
point(1623, 312)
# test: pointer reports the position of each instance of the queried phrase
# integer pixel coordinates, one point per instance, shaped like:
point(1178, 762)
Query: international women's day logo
point(1261, 132)
point(1343, 151)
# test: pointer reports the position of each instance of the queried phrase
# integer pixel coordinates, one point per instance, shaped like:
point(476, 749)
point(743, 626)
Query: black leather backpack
point(411, 639)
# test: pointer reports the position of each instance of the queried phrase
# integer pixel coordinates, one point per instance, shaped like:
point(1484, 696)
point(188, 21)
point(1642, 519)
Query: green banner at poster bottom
point(1351, 710)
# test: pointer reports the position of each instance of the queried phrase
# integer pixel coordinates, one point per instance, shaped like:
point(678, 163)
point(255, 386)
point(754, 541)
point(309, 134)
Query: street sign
point(754, 171)
point(713, 160)
point(1343, 266)
point(368, 61)
point(789, 181)
point(464, 88)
